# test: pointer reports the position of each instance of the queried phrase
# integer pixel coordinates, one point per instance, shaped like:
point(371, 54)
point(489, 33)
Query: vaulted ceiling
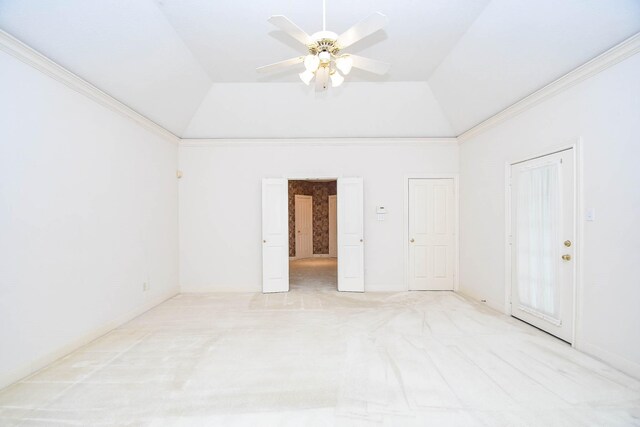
point(189, 65)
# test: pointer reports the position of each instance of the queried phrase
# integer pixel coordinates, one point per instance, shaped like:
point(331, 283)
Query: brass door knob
point(412, 240)
point(566, 257)
point(567, 243)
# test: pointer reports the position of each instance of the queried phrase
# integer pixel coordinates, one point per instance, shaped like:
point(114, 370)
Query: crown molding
point(244, 142)
point(616, 54)
point(35, 59)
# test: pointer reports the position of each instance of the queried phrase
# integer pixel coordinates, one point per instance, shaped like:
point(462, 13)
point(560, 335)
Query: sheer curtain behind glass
point(537, 222)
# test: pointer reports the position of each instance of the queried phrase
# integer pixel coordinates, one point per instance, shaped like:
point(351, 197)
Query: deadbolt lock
point(566, 257)
point(567, 243)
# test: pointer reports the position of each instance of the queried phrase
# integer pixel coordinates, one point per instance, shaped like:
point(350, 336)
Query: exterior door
point(304, 226)
point(275, 235)
point(333, 226)
point(431, 234)
point(350, 235)
point(542, 242)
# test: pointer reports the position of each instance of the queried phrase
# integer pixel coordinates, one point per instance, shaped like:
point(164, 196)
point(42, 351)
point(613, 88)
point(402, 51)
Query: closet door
point(431, 234)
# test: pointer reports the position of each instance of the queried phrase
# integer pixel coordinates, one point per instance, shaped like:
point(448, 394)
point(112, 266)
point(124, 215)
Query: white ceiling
point(231, 38)
point(169, 59)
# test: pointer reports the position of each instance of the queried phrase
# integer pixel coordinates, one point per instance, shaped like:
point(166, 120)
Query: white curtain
point(537, 237)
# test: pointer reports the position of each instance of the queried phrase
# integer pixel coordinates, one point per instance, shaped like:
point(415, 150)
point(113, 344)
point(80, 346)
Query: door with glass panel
point(543, 242)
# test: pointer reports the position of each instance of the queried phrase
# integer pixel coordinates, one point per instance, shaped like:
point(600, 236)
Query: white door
point(333, 226)
point(350, 235)
point(542, 242)
point(304, 226)
point(431, 234)
point(275, 235)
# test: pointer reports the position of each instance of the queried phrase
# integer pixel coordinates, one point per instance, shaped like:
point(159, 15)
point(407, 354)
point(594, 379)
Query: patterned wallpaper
point(320, 191)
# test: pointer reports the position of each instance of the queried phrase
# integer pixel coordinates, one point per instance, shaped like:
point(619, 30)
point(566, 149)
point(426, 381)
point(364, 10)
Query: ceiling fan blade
point(362, 29)
point(370, 65)
point(290, 28)
point(280, 65)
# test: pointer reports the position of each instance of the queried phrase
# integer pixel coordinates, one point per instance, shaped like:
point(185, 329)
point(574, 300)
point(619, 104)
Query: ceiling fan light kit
point(324, 62)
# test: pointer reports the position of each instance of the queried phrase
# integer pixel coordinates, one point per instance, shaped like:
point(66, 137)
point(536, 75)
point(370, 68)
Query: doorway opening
point(313, 228)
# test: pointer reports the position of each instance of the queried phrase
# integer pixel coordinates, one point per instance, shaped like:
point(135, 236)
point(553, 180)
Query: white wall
point(126, 48)
point(514, 48)
point(293, 110)
point(88, 213)
point(605, 112)
point(220, 204)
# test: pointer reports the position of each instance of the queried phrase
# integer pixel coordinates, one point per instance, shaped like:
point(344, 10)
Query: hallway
point(313, 274)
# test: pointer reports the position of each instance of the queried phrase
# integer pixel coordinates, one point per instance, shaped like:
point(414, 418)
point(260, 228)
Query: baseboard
point(6, 379)
point(214, 289)
point(489, 303)
point(621, 363)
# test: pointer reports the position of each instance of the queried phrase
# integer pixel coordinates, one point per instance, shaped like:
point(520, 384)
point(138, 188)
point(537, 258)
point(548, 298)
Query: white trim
point(576, 146)
point(32, 368)
point(35, 59)
point(243, 142)
point(623, 364)
point(616, 54)
point(405, 226)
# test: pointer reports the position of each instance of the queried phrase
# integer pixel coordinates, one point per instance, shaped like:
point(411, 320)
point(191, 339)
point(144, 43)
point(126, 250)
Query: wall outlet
point(145, 286)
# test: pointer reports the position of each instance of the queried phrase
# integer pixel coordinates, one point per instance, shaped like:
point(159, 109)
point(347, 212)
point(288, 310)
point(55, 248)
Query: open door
point(275, 235)
point(350, 235)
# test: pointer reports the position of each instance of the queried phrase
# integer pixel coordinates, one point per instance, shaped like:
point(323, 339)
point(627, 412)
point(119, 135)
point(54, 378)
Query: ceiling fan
point(325, 60)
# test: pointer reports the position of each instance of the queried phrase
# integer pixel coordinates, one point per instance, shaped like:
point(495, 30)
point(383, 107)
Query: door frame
point(456, 222)
point(578, 224)
point(312, 177)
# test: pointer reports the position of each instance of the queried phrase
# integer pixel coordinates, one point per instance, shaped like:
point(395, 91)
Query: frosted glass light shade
point(344, 64)
point(324, 57)
point(336, 79)
point(306, 76)
point(311, 62)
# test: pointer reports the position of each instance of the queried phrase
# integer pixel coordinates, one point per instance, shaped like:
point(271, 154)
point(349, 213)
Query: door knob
point(361, 240)
point(264, 241)
point(412, 240)
point(567, 243)
point(566, 257)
